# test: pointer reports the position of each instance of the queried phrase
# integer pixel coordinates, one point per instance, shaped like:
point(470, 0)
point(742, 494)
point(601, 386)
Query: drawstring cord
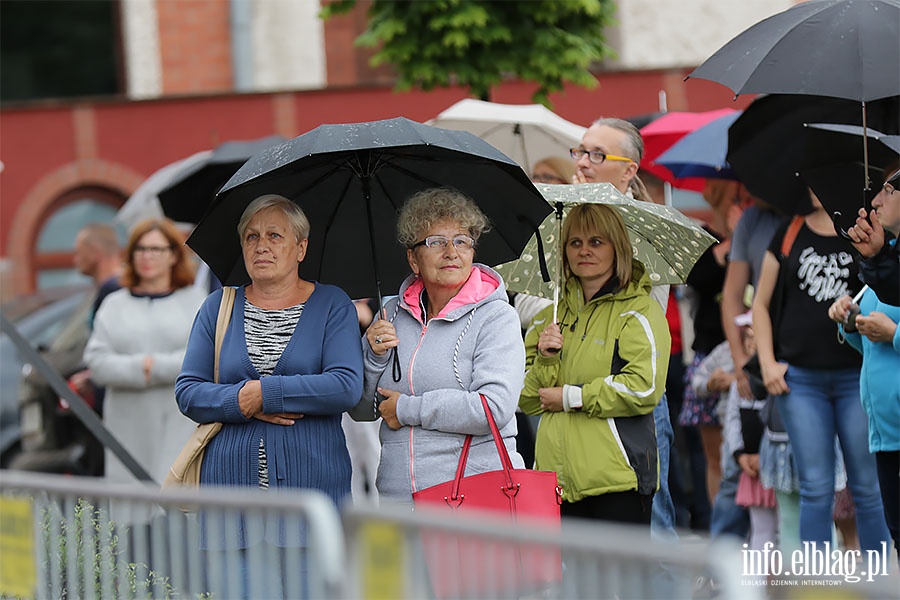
point(587, 326)
point(456, 348)
point(395, 358)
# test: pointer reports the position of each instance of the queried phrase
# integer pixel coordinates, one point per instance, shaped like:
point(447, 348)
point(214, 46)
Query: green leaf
point(336, 7)
point(478, 43)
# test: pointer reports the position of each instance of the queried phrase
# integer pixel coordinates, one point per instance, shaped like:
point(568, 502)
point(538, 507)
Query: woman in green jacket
point(596, 376)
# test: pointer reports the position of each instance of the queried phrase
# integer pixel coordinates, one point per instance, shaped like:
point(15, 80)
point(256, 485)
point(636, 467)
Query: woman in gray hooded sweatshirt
point(456, 337)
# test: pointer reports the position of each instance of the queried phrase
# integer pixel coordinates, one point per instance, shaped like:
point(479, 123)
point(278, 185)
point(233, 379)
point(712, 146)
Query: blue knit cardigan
point(319, 375)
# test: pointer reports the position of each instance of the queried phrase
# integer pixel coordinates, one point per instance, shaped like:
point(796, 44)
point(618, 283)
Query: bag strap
point(790, 235)
point(222, 321)
point(501, 450)
point(775, 306)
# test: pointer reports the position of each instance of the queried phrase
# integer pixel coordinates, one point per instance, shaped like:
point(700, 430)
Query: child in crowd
point(744, 429)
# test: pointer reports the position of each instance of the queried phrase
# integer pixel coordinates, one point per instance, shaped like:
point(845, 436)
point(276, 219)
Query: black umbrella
point(192, 190)
point(766, 144)
point(830, 143)
point(839, 48)
point(351, 180)
point(837, 188)
point(833, 167)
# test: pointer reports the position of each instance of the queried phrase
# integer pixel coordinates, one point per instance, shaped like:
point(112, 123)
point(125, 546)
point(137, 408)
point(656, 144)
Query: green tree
point(476, 43)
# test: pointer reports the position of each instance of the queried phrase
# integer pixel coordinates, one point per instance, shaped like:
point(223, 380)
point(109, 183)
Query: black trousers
point(888, 464)
point(620, 507)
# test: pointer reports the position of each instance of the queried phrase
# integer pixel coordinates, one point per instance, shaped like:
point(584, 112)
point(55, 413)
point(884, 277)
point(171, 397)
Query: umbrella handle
point(395, 365)
point(555, 302)
point(542, 260)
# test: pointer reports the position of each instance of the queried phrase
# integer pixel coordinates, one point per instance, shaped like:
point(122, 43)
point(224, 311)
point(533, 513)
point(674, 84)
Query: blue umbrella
point(701, 153)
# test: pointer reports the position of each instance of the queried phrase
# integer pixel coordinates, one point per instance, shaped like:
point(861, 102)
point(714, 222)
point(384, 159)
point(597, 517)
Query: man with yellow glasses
point(610, 152)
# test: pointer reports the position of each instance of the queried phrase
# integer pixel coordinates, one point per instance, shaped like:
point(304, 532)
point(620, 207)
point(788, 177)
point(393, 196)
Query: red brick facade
point(195, 46)
point(50, 150)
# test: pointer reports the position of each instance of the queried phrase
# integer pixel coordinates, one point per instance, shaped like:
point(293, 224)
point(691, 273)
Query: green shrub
point(97, 551)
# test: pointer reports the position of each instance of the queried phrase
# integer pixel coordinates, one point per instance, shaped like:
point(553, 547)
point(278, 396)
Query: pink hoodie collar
point(477, 287)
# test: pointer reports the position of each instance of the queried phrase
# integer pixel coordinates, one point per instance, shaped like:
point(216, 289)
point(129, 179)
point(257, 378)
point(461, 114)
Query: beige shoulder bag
point(185, 471)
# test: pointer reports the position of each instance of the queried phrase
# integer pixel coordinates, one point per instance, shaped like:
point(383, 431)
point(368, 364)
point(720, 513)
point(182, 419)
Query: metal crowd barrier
point(398, 553)
point(63, 538)
point(84, 538)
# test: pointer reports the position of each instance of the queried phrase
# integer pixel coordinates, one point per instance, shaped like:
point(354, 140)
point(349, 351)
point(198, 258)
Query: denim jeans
point(822, 403)
point(727, 517)
point(662, 517)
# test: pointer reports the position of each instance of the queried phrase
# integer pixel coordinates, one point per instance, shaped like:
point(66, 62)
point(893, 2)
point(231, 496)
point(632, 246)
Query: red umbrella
point(662, 133)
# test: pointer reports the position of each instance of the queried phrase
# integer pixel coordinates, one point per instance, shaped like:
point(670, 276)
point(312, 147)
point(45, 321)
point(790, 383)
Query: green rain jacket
point(616, 348)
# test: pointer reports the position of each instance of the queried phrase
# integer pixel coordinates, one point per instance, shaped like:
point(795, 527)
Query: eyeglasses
point(436, 242)
point(888, 189)
point(154, 251)
point(595, 156)
point(547, 178)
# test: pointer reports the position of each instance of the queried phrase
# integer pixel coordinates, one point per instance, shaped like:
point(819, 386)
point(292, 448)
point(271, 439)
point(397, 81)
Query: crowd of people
point(634, 396)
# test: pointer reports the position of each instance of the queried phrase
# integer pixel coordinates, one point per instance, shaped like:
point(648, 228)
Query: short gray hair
point(633, 148)
point(634, 143)
point(423, 209)
point(295, 215)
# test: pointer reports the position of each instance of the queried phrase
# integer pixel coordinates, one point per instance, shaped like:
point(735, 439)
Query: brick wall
point(195, 46)
point(347, 64)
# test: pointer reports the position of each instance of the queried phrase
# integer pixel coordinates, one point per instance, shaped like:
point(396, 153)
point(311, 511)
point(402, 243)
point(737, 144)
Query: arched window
point(54, 243)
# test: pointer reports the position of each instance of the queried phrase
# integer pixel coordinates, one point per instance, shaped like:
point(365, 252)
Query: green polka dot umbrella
point(664, 240)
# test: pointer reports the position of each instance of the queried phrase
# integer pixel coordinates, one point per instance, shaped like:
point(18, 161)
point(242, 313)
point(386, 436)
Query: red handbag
point(461, 566)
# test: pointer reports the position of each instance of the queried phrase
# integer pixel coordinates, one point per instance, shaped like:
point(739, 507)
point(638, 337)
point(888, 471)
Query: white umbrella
point(144, 202)
point(524, 132)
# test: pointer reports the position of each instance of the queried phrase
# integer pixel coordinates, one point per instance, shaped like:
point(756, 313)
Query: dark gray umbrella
point(192, 190)
point(351, 180)
point(839, 48)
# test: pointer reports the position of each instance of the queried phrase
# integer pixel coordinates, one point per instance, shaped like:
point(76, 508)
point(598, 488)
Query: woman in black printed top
point(814, 377)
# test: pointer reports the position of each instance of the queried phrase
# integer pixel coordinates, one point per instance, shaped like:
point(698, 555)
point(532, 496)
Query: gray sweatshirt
point(473, 347)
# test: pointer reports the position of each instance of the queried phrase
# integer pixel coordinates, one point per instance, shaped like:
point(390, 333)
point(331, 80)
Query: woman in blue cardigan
point(290, 365)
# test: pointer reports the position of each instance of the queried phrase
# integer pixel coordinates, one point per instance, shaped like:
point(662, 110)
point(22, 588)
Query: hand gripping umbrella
point(665, 241)
point(351, 180)
point(838, 48)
